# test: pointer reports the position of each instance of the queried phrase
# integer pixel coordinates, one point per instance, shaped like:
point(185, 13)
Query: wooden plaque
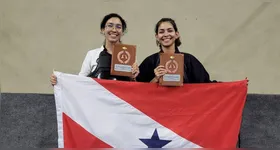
point(174, 63)
point(123, 57)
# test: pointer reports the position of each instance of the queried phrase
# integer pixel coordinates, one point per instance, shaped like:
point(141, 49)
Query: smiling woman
point(97, 63)
point(168, 40)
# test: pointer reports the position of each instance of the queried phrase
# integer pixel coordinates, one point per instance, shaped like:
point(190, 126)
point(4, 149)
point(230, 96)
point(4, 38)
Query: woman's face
point(113, 30)
point(166, 34)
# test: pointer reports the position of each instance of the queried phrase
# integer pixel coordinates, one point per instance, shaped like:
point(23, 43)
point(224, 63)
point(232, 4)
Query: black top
point(103, 68)
point(194, 70)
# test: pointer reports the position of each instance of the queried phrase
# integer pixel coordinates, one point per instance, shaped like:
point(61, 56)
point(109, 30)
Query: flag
point(95, 113)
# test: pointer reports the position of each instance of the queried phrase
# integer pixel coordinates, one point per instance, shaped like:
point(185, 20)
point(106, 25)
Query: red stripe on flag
point(206, 114)
point(76, 136)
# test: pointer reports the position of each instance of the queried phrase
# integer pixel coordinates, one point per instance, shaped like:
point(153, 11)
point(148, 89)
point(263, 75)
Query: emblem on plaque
point(123, 56)
point(171, 65)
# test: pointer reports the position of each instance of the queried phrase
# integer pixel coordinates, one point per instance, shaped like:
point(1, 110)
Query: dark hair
point(112, 15)
point(172, 22)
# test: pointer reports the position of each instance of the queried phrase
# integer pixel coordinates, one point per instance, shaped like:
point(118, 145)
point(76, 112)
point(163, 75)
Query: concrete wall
point(233, 39)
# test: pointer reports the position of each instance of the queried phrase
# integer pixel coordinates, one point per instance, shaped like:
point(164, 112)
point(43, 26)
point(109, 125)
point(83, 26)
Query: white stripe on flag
point(110, 118)
point(59, 111)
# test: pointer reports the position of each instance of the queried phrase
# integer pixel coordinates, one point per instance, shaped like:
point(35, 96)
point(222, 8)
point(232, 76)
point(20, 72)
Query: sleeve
point(198, 72)
point(86, 66)
point(146, 69)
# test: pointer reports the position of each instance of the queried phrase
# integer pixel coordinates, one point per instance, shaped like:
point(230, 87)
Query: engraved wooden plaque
point(174, 63)
point(123, 57)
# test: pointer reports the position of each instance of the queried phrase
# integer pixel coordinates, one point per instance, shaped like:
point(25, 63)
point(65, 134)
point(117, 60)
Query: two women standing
point(97, 62)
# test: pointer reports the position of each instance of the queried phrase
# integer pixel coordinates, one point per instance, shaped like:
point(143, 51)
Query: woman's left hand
point(135, 70)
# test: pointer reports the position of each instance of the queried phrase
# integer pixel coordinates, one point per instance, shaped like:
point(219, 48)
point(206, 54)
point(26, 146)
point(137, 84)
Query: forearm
point(154, 80)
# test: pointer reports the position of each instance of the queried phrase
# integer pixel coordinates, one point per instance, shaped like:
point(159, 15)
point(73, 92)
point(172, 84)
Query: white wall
point(233, 39)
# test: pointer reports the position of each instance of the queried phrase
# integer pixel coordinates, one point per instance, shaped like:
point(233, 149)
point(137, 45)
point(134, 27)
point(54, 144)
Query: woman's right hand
point(159, 71)
point(53, 79)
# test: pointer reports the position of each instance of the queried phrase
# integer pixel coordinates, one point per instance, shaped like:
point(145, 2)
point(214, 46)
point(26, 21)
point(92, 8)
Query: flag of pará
point(95, 113)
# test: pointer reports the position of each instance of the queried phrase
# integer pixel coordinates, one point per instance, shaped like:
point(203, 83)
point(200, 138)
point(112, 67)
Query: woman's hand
point(135, 70)
point(159, 71)
point(53, 79)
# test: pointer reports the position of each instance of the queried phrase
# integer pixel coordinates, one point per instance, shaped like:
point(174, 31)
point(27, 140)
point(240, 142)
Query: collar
point(176, 50)
point(105, 49)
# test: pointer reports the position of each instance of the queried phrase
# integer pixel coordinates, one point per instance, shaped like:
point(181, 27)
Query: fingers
point(135, 70)
point(160, 71)
point(160, 67)
point(135, 64)
point(53, 79)
point(134, 75)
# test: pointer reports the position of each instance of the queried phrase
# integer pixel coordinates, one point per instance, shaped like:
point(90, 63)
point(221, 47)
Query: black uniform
point(194, 72)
